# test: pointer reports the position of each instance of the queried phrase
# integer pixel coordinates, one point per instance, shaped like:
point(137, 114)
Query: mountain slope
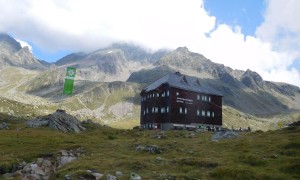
point(243, 90)
point(109, 80)
point(12, 54)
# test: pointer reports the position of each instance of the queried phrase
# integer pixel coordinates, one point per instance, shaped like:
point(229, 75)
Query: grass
point(256, 155)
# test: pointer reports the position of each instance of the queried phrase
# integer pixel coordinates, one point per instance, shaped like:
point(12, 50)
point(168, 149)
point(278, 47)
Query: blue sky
point(245, 13)
point(248, 14)
point(261, 35)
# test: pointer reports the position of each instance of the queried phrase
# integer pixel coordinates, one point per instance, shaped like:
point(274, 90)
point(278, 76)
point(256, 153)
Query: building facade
point(180, 101)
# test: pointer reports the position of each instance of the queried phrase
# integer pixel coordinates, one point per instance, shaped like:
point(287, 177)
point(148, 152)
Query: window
point(153, 95)
point(144, 112)
point(185, 110)
point(177, 93)
point(198, 97)
point(203, 113)
point(167, 109)
point(163, 94)
point(156, 109)
point(162, 109)
point(198, 112)
point(208, 113)
point(209, 99)
point(168, 93)
point(180, 110)
point(147, 111)
point(157, 94)
point(205, 98)
point(212, 114)
point(152, 109)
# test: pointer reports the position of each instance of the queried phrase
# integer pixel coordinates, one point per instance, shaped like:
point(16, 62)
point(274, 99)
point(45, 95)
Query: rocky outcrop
point(3, 125)
point(252, 80)
point(12, 54)
point(59, 120)
point(43, 168)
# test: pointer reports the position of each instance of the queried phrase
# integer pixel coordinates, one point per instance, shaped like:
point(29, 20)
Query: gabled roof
point(182, 81)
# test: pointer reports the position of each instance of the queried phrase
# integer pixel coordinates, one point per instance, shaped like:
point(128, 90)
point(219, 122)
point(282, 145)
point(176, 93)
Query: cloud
point(91, 24)
point(24, 44)
point(86, 25)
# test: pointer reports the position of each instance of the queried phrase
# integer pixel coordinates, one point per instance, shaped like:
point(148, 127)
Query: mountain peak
point(9, 44)
point(183, 49)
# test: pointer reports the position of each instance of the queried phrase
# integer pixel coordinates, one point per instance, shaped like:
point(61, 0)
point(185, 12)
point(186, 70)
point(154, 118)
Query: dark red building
point(180, 101)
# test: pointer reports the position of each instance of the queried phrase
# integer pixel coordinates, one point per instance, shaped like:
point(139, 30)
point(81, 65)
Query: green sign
point(69, 80)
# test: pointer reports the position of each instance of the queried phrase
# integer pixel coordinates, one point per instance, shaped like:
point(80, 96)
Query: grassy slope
point(257, 155)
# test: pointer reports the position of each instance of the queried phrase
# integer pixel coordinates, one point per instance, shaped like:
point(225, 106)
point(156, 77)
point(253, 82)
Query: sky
point(261, 35)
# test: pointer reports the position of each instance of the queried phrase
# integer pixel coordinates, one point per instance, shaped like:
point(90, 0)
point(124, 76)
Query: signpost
point(69, 80)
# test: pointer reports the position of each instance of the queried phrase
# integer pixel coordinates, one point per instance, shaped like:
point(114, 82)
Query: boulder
point(59, 120)
point(111, 177)
point(134, 176)
point(3, 125)
point(224, 135)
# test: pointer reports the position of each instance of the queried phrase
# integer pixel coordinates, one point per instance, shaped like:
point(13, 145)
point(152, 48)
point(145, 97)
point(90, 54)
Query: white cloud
point(24, 44)
point(92, 24)
point(86, 25)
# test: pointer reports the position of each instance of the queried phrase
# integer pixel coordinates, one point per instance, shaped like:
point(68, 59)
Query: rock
point(97, 175)
point(135, 176)
point(38, 171)
point(152, 149)
point(8, 175)
point(224, 135)
point(119, 173)
point(3, 125)
point(64, 152)
point(89, 121)
point(166, 176)
point(159, 158)
point(39, 161)
point(160, 136)
point(31, 177)
point(111, 177)
point(65, 160)
point(59, 120)
point(67, 177)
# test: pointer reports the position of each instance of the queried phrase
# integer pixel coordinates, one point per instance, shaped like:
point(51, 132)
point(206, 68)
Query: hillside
point(12, 54)
point(109, 80)
point(181, 155)
point(243, 90)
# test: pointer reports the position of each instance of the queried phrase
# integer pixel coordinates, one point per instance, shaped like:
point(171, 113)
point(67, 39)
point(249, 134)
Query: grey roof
point(182, 81)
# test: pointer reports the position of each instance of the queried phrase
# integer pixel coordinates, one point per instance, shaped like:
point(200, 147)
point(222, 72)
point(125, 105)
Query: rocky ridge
point(59, 120)
point(12, 54)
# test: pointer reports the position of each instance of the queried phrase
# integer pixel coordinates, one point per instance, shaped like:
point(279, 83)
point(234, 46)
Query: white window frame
point(203, 113)
point(208, 113)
